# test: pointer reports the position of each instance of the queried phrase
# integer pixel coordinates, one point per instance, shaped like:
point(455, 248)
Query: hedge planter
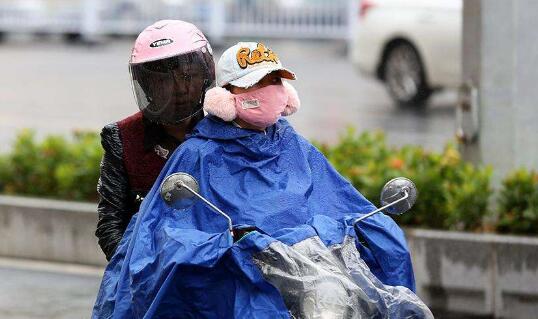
point(481, 274)
point(49, 230)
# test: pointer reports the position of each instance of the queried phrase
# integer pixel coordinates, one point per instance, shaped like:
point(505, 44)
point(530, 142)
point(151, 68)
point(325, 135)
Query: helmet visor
point(171, 90)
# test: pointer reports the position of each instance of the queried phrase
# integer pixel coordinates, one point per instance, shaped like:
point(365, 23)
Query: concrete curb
point(49, 230)
point(481, 274)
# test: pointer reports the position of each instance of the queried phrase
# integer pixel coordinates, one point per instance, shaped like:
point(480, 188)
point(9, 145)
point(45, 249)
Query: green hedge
point(453, 194)
point(518, 203)
point(57, 167)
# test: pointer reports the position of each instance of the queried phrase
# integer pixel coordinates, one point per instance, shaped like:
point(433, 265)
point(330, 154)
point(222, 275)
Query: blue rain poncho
point(184, 264)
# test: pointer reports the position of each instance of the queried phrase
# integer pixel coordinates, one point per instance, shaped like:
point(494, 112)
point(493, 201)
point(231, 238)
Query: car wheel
point(404, 76)
point(72, 37)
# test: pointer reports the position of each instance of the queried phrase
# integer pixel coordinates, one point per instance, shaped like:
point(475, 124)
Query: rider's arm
point(113, 189)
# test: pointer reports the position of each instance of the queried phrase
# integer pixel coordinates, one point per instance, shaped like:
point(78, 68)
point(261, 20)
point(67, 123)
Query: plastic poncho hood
point(174, 263)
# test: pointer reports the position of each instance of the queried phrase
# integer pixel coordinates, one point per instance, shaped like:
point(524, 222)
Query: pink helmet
point(171, 68)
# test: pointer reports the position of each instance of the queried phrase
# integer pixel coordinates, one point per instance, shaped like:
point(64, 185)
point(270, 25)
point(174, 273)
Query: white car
point(413, 46)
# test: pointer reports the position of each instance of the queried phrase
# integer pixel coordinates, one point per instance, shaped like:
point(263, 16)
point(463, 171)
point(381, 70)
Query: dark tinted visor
point(172, 89)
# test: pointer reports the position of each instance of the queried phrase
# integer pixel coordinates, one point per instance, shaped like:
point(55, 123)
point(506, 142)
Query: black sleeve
point(113, 189)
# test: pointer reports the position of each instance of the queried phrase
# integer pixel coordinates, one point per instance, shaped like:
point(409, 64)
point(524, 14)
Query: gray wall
point(500, 57)
point(482, 274)
point(49, 230)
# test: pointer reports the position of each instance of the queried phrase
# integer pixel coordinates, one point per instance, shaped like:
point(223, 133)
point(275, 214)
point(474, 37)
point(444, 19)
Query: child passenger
point(293, 179)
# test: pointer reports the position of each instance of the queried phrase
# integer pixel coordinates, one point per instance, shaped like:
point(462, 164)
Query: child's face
point(272, 78)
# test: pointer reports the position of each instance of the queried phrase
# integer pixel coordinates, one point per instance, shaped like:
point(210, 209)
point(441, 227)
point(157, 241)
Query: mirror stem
point(382, 208)
point(215, 208)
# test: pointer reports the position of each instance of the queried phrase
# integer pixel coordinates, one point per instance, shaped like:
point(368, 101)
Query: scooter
point(181, 191)
point(315, 280)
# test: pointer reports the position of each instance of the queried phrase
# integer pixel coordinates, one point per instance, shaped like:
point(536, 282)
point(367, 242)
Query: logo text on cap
point(261, 54)
point(160, 43)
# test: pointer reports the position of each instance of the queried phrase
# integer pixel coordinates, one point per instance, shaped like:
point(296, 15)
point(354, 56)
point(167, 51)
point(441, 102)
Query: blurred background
point(440, 91)
point(54, 86)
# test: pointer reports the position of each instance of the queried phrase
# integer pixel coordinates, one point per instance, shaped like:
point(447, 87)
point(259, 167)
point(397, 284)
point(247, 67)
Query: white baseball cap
point(246, 63)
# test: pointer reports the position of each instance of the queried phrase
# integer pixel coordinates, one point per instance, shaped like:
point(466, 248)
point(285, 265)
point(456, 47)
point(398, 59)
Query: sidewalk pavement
point(42, 290)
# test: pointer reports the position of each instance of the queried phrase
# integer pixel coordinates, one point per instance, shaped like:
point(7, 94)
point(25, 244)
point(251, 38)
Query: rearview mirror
point(181, 191)
point(175, 194)
point(397, 197)
point(396, 189)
